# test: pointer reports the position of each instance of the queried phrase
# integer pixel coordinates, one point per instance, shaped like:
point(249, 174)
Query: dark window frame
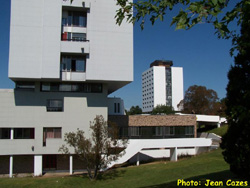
point(24, 133)
point(51, 108)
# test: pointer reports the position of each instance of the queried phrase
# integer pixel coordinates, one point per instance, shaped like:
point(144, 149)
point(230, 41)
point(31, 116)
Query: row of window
point(148, 77)
point(149, 102)
point(19, 133)
point(147, 85)
point(148, 81)
point(29, 133)
point(62, 87)
point(148, 106)
point(159, 131)
point(72, 87)
point(146, 73)
point(149, 93)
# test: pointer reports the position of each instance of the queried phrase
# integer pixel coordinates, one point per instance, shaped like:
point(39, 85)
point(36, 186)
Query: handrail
point(75, 40)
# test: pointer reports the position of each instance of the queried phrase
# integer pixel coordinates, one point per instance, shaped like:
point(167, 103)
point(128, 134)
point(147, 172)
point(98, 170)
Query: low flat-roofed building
point(155, 126)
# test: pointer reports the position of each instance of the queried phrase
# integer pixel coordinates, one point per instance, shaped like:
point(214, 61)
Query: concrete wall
point(35, 34)
point(177, 86)
point(159, 85)
point(28, 109)
point(111, 106)
point(154, 154)
point(111, 46)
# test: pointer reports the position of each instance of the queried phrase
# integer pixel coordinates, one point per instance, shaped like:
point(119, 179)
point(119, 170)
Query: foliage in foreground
point(99, 150)
point(194, 12)
point(237, 140)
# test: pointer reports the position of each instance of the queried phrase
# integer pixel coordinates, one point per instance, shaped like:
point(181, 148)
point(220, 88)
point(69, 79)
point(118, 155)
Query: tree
point(200, 100)
point(134, 110)
point(197, 11)
point(162, 109)
point(97, 151)
point(236, 141)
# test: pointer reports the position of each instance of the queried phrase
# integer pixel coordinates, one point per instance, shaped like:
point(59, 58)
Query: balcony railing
point(75, 40)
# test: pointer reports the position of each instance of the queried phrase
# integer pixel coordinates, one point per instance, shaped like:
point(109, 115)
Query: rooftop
point(165, 63)
point(153, 120)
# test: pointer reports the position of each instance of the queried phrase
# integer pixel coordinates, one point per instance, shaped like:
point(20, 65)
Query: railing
point(75, 40)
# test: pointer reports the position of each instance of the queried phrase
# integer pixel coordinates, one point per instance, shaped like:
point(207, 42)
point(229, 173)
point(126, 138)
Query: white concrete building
point(162, 84)
point(65, 59)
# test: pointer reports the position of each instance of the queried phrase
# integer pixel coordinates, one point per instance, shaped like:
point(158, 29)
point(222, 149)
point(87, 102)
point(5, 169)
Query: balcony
point(73, 76)
point(17, 146)
point(76, 47)
point(76, 3)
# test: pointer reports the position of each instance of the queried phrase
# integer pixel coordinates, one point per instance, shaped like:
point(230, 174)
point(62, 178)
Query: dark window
point(73, 64)
point(96, 88)
point(115, 107)
point(118, 107)
point(72, 87)
point(49, 162)
point(76, 19)
point(189, 130)
point(4, 133)
point(25, 86)
point(169, 130)
point(54, 105)
point(24, 133)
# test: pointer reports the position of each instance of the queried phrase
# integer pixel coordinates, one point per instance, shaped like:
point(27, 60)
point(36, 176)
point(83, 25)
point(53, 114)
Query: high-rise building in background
point(162, 84)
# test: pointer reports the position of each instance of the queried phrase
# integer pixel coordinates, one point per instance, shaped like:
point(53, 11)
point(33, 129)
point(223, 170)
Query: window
point(72, 87)
point(135, 131)
point(73, 64)
point(117, 107)
point(24, 133)
point(78, 19)
point(189, 130)
point(54, 105)
point(51, 133)
point(25, 86)
point(68, 36)
point(4, 133)
point(158, 131)
point(169, 130)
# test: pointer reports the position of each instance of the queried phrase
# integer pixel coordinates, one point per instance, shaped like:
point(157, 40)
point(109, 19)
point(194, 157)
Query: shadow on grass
point(110, 174)
point(217, 176)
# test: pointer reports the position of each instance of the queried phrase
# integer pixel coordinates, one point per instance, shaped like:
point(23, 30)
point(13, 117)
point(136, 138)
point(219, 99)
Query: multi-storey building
point(65, 57)
point(162, 84)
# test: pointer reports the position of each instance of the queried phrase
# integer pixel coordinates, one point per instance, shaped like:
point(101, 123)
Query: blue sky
point(204, 58)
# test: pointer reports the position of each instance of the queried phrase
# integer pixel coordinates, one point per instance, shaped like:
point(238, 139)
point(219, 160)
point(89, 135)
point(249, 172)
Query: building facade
point(65, 58)
point(162, 84)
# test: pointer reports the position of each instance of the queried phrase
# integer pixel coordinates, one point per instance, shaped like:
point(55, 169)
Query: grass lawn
point(219, 131)
point(160, 174)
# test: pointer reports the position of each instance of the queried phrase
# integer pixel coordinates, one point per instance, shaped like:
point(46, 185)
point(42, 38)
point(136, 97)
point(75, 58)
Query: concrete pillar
point(12, 133)
point(138, 159)
point(218, 125)
point(70, 164)
point(11, 167)
point(38, 165)
point(173, 154)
